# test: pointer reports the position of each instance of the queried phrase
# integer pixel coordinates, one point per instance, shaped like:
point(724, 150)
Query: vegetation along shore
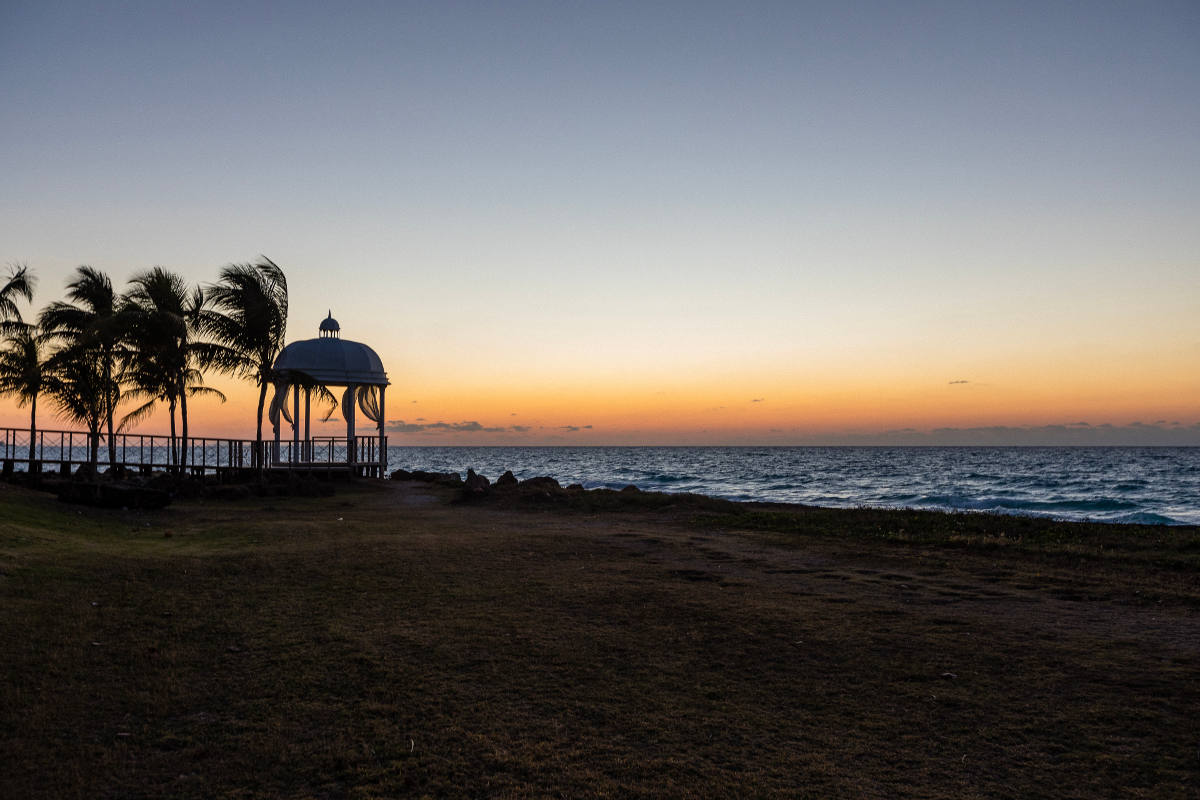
point(414, 638)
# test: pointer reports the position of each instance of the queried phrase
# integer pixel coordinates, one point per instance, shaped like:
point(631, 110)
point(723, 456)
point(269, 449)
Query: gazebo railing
point(328, 450)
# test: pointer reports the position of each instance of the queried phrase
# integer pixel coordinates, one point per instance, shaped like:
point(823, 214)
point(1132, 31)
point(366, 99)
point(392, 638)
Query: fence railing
point(326, 450)
point(201, 454)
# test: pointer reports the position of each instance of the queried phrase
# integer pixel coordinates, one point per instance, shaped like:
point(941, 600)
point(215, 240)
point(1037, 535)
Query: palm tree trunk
point(174, 451)
point(262, 399)
point(32, 432)
point(95, 454)
point(183, 447)
point(109, 410)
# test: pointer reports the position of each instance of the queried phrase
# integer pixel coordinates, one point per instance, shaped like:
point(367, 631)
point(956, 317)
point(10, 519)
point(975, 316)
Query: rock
point(631, 488)
point(477, 483)
point(576, 488)
point(163, 481)
point(507, 479)
point(540, 490)
point(544, 483)
point(229, 492)
point(123, 495)
point(79, 492)
point(402, 475)
point(112, 495)
point(444, 478)
point(476, 487)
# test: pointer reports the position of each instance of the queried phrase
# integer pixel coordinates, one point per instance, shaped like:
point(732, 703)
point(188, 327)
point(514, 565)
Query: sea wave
point(1146, 485)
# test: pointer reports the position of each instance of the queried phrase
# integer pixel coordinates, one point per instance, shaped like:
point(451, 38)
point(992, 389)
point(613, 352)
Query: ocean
point(1153, 485)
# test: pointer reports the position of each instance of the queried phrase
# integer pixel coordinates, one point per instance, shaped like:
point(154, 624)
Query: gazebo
point(330, 361)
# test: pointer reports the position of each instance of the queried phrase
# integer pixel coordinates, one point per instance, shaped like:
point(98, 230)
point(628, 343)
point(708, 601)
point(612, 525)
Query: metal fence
point(200, 454)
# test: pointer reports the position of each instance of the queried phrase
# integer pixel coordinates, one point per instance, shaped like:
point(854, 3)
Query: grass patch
point(384, 643)
point(1171, 547)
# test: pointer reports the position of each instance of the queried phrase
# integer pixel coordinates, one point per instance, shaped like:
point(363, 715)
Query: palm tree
point(163, 319)
point(20, 283)
point(90, 328)
point(147, 381)
point(249, 317)
point(22, 375)
point(82, 392)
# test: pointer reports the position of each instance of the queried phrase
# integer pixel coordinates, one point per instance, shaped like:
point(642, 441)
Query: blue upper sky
point(969, 182)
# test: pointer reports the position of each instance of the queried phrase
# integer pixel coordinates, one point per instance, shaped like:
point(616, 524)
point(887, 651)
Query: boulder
point(112, 495)
point(124, 495)
point(86, 472)
point(443, 478)
point(631, 488)
point(476, 483)
point(542, 482)
point(475, 488)
point(233, 491)
point(161, 480)
point(507, 479)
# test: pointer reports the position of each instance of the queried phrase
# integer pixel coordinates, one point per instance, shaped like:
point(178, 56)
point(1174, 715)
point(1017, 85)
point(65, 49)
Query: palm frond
point(20, 283)
point(138, 414)
point(207, 391)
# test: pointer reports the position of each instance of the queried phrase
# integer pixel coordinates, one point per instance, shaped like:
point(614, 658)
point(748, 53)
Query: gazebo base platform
point(322, 468)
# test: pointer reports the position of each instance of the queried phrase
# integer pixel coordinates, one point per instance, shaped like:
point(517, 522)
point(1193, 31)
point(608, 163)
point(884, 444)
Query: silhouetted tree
point(89, 329)
point(82, 393)
point(249, 316)
point(164, 358)
point(22, 375)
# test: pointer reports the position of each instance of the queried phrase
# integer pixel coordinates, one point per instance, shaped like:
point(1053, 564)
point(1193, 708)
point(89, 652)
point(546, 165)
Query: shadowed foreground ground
point(383, 643)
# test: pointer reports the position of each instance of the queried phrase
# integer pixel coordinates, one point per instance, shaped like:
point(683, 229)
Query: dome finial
point(330, 327)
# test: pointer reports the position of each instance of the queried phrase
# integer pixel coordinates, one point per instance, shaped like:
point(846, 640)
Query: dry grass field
point(386, 642)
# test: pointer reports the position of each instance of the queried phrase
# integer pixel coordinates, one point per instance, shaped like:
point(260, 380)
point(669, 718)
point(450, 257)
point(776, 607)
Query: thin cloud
point(468, 426)
point(759, 400)
point(958, 383)
point(574, 428)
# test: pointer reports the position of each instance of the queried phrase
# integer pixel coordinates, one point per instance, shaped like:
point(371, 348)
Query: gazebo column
point(382, 433)
point(275, 446)
point(351, 455)
point(307, 431)
point(295, 454)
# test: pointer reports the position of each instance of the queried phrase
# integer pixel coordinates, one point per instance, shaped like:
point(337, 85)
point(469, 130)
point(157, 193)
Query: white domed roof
point(333, 361)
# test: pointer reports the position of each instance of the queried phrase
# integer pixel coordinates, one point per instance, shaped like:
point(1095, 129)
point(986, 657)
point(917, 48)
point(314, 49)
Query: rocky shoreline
point(543, 490)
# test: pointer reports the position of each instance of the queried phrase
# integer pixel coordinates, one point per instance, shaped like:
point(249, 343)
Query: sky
point(650, 223)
